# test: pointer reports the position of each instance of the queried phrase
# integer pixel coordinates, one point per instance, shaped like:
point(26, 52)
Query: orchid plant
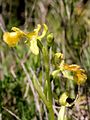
point(72, 72)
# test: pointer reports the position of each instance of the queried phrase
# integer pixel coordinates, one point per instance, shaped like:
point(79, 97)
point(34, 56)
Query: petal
point(33, 47)
point(20, 32)
point(44, 32)
point(72, 67)
point(32, 35)
point(11, 38)
point(38, 28)
point(80, 78)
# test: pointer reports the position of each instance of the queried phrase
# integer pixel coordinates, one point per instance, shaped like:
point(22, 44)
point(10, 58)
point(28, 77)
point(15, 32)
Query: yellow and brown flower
point(78, 74)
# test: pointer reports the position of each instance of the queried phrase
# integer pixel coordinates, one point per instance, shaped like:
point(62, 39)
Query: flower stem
point(49, 90)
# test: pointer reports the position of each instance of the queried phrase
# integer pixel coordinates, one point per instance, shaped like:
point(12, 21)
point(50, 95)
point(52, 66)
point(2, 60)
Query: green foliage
point(11, 97)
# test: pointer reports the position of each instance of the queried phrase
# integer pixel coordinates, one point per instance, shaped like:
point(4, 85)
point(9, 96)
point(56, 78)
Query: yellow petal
point(44, 32)
point(11, 38)
point(78, 74)
point(72, 67)
point(32, 35)
point(33, 47)
point(38, 28)
point(20, 32)
point(80, 77)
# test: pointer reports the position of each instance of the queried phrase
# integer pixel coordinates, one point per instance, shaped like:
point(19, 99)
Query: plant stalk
point(49, 90)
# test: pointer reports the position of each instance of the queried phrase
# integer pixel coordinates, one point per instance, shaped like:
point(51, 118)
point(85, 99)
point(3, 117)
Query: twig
point(2, 24)
point(46, 112)
point(11, 113)
point(26, 15)
point(0, 116)
point(32, 88)
point(55, 111)
point(30, 84)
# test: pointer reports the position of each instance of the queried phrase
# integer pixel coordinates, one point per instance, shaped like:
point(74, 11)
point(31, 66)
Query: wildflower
point(59, 55)
point(59, 64)
point(34, 36)
point(76, 73)
point(58, 58)
point(12, 38)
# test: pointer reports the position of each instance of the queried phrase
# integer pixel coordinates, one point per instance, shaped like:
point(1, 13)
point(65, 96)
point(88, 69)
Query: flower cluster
point(12, 38)
point(71, 72)
point(78, 74)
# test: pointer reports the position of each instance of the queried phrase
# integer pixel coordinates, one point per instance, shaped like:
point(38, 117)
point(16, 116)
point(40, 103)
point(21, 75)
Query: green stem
point(40, 92)
point(49, 91)
point(70, 87)
point(51, 113)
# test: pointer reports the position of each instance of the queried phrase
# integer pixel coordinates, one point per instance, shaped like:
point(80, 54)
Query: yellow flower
point(77, 74)
point(58, 58)
point(35, 33)
point(11, 38)
point(34, 36)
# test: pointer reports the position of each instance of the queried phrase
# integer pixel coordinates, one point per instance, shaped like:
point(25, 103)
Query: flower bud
point(50, 39)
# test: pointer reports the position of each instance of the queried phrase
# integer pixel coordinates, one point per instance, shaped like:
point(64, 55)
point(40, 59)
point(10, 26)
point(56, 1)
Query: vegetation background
point(69, 21)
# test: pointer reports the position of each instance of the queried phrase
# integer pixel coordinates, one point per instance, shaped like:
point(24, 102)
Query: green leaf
point(38, 88)
point(40, 45)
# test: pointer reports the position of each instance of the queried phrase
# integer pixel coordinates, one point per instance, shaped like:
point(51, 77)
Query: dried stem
point(11, 113)
point(33, 90)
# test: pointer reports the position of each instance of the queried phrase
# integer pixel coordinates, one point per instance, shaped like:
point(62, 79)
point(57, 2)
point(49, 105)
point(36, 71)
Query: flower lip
point(78, 74)
point(11, 38)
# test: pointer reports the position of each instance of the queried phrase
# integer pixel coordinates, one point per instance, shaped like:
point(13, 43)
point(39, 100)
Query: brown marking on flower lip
point(79, 74)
